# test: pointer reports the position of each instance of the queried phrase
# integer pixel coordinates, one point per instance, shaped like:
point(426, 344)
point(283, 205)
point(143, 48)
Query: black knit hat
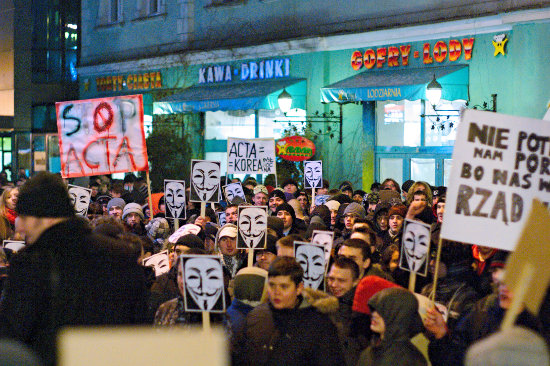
point(44, 195)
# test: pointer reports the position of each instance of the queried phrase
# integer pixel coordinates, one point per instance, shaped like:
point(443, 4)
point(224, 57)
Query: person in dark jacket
point(395, 320)
point(66, 275)
point(288, 330)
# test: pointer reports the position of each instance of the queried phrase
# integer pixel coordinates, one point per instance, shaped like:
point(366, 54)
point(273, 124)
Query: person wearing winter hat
point(158, 230)
point(49, 283)
point(323, 213)
point(286, 212)
point(260, 197)
point(276, 197)
point(394, 319)
point(248, 288)
point(290, 186)
point(352, 212)
point(405, 188)
point(115, 207)
point(264, 257)
point(396, 217)
point(132, 215)
point(333, 206)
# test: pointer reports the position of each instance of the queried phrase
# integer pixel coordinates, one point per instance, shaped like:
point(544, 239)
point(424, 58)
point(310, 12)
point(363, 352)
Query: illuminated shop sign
point(142, 81)
point(400, 55)
point(253, 70)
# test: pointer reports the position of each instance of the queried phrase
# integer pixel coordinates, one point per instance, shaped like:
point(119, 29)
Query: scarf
point(10, 215)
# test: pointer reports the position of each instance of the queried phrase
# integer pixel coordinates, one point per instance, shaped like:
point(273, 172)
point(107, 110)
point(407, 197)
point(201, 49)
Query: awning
point(399, 84)
point(237, 96)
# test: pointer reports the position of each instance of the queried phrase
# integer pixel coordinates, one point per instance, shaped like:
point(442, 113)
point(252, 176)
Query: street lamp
point(285, 101)
point(433, 92)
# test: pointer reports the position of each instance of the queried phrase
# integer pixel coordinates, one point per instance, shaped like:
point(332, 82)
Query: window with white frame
point(109, 12)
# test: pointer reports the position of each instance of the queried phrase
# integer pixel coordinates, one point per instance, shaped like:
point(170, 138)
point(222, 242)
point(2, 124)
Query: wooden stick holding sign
point(150, 200)
point(436, 271)
point(527, 271)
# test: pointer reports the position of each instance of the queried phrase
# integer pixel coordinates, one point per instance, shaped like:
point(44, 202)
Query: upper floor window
point(109, 12)
point(147, 8)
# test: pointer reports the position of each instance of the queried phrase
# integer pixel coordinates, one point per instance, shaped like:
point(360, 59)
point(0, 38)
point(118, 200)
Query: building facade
point(226, 63)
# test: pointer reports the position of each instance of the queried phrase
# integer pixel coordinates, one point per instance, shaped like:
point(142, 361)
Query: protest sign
point(234, 190)
point(313, 174)
point(415, 247)
point(251, 156)
point(101, 136)
point(80, 198)
point(205, 181)
point(312, 259)
point(221, 218)
point(13, 245)
point(174, 199)
point(528, 268)
point(500, 164)
point(203, 283)
point(252, 225)
point(324, 238)
point(159, 262)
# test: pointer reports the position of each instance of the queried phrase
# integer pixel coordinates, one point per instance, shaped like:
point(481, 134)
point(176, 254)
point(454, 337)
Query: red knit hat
point(366, 289)
point(400, 210)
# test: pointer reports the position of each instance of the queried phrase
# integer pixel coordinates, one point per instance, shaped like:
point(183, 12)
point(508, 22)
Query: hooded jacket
point(399, 309)
point(303, 335)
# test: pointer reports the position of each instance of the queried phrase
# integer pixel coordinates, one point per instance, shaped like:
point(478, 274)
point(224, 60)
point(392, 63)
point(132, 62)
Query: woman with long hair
point(7, 205)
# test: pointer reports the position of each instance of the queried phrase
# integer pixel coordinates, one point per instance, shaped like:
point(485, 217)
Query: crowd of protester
point(89, 271)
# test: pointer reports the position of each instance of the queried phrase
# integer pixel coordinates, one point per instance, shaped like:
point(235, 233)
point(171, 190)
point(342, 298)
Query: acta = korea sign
point(101, 136)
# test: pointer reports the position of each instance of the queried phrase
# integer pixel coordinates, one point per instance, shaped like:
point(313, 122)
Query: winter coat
point(237, 313)
point(399, 309)
point(70, 276)
point(173, 313)
point(482, 321)
point(299, 336)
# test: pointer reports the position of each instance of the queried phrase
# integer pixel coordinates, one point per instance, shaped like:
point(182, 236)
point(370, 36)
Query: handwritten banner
point(251, 156)
point(500, 163)
point(101, 136)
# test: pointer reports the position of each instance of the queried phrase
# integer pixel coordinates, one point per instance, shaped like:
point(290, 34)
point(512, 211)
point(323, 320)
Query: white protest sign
point(203, 283)
point(324, 238)
point(80, 198)
point(313, 174)
point(13, 245)
point(101, 136)
point(500, 164)
point(160, 262)
point(312, 259)
point(415, 247)
point(205, 181)
point(174, 198)
point(252, 225)
point(251, 156)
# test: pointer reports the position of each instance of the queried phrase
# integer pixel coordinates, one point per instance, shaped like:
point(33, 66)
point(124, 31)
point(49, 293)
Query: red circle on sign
point(104, 112)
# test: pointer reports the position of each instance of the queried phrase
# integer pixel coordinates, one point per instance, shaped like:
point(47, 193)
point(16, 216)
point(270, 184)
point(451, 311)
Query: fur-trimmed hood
point(323, 302)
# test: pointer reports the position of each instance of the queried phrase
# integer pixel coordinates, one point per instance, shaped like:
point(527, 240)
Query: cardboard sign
point(174, 199)
point(415, 247)
point(252, 225)
point(203, 283)
point(531, 259)
point(324, 238)
point(160, 262)
point(500, 164)
point(322, 199)
point(313, 174)
point(184, 230)
point(312, 259)
point(101, 136)
point(232, 191)
point(251, 156)
point(80, 198)
point(221, 218)
point(205, 181)
point(13, 245)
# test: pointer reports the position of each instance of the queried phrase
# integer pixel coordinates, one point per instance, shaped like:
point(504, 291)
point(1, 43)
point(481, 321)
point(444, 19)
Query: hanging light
point(285, 101)
point(433, 92)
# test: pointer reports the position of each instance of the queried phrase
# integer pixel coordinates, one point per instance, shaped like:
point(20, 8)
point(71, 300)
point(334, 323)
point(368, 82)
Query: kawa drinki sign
point(295, 148)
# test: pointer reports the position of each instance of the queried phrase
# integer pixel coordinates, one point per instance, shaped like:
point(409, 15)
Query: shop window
point(44, 118)
point(442, 132)
point(109, 12)
point(398, 123)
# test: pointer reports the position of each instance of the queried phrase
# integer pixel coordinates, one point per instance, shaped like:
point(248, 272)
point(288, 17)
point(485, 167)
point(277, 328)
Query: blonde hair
point(4, 198)
point(414, 188)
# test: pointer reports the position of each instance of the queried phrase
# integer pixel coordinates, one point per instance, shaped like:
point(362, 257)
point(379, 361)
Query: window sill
point(109, 25)
point(234, 4)
point(150, 17)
